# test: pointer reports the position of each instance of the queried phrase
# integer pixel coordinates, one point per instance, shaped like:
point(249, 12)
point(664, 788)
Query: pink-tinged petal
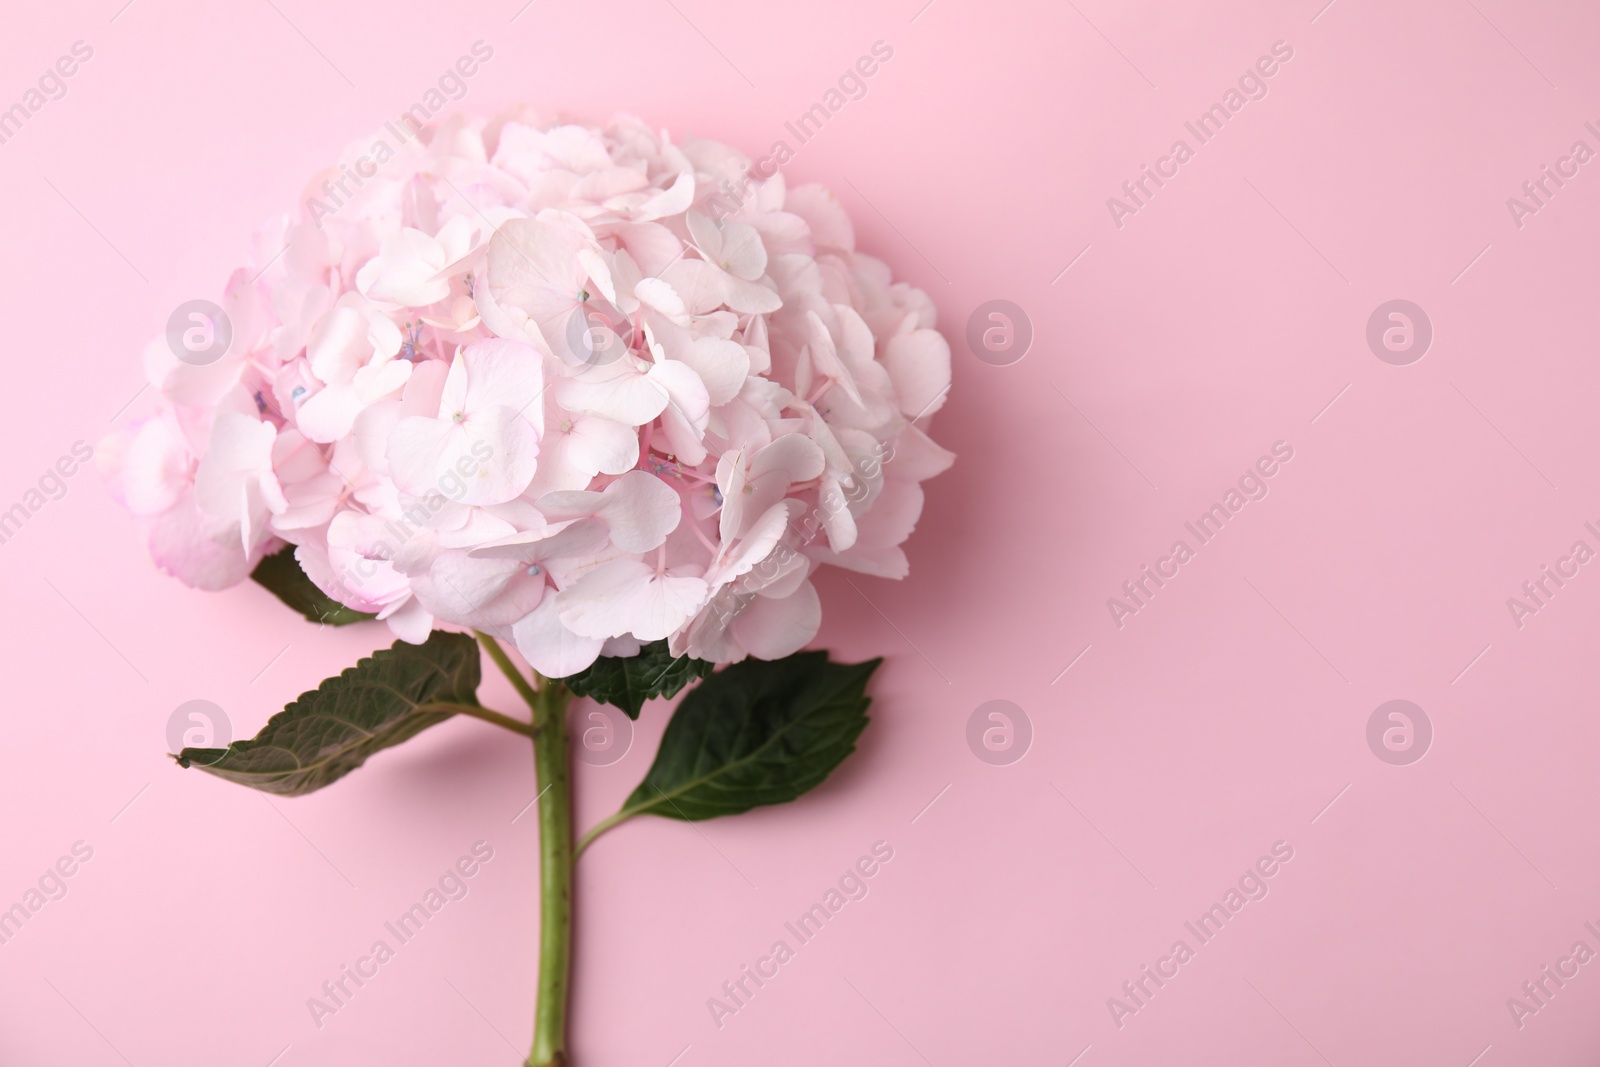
point(640, 510)
point(674, 200)
point(656, 294)
point(733, 480)
point(622, 647)
point(506, 450)
point(825, 357)
point(651, 245)
point(549, 647)
point(893, 514)
point(149, 465)
point(330, 413)
point(743, 255)
point(417, 450)
point(593, 262)
point(783, 233)
point(192, 548)
point(830, 225)
point(778, 575)
point(668, 602)
point(375, 382)
point(533, 265)
point(616, 391)
point(919, 366)
point(794, 457)
point(573, 538)
point(490, 447)
point(608, 183)
point(403, 272)
point(479, 593)
point(915, 456)
point(339, 347)
point(836, 518)
point(757, 545)
point(722, 366)
point(712, 238)
point(501, 373)
point(749, 298)
point(503, 318)
point(882, 529)
point(238, 459)
point(772, 628)
point(749, 492)
point(411, 623)
point(424, 391)
point(606, 601)
point(709, 635)
point(628, 597)
point(688, 408)
point(597, 445)
point(697, 283)
point(890, 562)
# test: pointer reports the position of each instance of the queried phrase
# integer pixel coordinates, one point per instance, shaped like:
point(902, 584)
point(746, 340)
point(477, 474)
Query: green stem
point(553, 773)
point(509, 669)
point(487, 715)
point(552, 763)
point(601, 827)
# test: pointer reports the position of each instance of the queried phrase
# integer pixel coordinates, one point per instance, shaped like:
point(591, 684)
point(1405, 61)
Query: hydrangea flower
point(577, 385)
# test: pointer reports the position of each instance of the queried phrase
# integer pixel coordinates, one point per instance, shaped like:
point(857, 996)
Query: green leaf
point(627, 682)
point(756, 733)
point(383, 700)
point(281, 575)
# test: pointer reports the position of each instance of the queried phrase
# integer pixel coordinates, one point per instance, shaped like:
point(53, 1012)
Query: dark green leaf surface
point(383, 700)
point(756, 733)
point(627, 682)
point(281, 575)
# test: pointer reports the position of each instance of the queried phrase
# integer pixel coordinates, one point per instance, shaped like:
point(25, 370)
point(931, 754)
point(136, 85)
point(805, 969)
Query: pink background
point(1223, 317)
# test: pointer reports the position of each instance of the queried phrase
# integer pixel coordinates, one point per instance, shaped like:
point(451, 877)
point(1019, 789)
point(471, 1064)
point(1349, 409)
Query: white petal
point(919, 365)
point(757, 545)
point(606, 601)
point(617, 391)
point(673, 201)
point(836, 517)
point(770, 628)
point(478, 592)
point(502, 373)
point(416, 447)
point(640, 510)
point(411, 623)
point(668, 602)
point(339, 347)
point(330, 413)
point(743, 254)
point(721, 365)
point(597, 445)
point(549, 647)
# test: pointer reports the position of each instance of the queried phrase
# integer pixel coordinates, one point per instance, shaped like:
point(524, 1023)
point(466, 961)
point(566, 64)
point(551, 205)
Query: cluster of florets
point(576, 385)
